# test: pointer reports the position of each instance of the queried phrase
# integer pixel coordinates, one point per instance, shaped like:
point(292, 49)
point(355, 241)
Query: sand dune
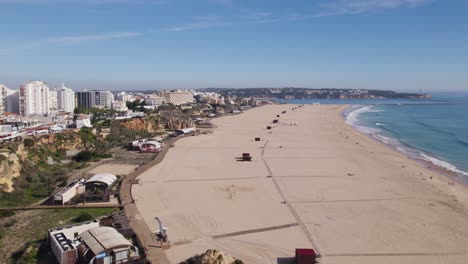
point(317, 184)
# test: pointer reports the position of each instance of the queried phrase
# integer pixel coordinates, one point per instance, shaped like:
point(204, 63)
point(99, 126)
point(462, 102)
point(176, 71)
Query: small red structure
point(305, 256)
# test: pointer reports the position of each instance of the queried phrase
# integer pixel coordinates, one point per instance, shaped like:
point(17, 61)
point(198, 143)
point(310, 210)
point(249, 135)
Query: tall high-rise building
point(34, 98)
point(3, 98)
point(12, 101)
point(53, 99)
point(66, 99)
point(100, 99)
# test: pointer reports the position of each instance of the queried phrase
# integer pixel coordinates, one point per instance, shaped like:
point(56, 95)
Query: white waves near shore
point(353, 119)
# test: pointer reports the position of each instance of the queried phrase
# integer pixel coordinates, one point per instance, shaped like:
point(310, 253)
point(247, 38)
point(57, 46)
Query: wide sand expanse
point(318, 184)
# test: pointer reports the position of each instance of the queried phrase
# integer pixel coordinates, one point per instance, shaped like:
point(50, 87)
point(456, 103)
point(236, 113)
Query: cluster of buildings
point(37, 98)
point(95, 189)
point(37, 108)
point(89, 242)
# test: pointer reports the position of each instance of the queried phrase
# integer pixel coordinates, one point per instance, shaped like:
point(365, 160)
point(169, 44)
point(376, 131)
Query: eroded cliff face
point(10, 168)
point(176, 123)
point(140, 124)
point(60, 141)
point(16, 155)
point(174, 120)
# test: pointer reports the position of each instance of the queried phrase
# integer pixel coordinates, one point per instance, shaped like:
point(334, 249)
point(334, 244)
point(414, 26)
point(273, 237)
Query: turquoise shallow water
point(435, 130)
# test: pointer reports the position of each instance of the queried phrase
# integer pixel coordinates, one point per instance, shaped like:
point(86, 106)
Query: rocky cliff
point(10, 168)
point(174, 120)
point(141, 124)
point(213, 256)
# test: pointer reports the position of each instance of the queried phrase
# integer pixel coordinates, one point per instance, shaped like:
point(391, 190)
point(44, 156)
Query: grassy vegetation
point(24, 235)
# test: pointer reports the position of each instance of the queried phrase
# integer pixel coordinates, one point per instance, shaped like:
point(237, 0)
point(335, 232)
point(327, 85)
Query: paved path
point(146, 236)
point(42, 207)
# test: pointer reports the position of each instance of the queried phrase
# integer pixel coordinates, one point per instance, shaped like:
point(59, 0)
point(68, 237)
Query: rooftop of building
point(106, 178)
point(103, 238)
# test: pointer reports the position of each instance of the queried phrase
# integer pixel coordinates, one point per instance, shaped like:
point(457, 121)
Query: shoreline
point(427, 164)
point(359, 200)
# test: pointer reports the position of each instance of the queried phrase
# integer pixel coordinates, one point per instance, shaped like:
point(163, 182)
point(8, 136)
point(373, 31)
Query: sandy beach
point(318, 184)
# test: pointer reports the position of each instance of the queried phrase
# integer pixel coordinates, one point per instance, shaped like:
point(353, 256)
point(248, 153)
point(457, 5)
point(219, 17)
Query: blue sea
point(435, 130)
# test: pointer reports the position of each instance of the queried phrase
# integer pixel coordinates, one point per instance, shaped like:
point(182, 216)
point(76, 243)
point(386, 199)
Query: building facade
point(53, 99)
point(9, 100)
point(66, 99)
point(177, 97)
point(34, 98)
point(154, 101)
point(3, 98)
point(90, 99)
point(64, 241)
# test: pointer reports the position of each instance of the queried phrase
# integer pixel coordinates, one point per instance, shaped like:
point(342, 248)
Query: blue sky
point(403, 45)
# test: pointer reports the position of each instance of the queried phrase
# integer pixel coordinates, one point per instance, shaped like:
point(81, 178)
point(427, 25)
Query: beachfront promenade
point(313, 182)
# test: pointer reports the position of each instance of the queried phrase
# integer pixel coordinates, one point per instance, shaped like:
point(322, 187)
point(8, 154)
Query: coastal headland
point(313, 182)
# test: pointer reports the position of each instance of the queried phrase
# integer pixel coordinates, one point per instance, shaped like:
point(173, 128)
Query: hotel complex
point(177, 97)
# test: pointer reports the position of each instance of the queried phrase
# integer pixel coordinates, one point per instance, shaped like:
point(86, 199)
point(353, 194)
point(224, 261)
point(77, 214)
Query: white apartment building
point(34, 98)
point(120, 106)
point(53, 99)
point(3, 98)
point(154, 101)
point(178, 97)
point(105, 99)
point(125, 97)
point(66, 99)
point(9, 100)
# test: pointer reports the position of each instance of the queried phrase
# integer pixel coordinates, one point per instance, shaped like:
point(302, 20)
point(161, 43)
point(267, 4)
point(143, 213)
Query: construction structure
point(104, 245)
point(65, 195)
point(64, 241)
point(98, 187)
point(88, 242)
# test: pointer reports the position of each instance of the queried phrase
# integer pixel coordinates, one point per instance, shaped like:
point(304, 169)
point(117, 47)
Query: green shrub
point(83, 217)
point(84, 156)
point(28, 142)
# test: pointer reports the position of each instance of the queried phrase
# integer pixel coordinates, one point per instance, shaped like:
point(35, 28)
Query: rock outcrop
point(140, 124)
point(174, 120)
point(175, 123)
point(213, 256)
point(10, 168)
point(59, 141)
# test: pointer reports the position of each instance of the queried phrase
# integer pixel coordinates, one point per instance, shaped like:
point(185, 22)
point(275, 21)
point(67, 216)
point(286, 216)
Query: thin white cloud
point(86, 2)
point(350, 7)
point(66, 41)
point(252, 18)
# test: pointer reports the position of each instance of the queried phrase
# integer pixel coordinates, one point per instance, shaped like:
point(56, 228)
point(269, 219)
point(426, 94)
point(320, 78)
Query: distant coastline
point(309, 93)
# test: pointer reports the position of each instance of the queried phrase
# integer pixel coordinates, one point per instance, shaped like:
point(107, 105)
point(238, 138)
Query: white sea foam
point(443, 164)
point(352, 118)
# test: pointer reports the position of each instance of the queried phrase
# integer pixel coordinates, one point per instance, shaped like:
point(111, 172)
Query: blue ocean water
point(435, 129)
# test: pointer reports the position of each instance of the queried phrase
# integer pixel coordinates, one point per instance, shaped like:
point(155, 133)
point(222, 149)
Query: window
point(121, 255)
point(108, 260)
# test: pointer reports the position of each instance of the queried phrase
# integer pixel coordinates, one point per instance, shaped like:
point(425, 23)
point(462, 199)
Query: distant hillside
point(306, 93)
